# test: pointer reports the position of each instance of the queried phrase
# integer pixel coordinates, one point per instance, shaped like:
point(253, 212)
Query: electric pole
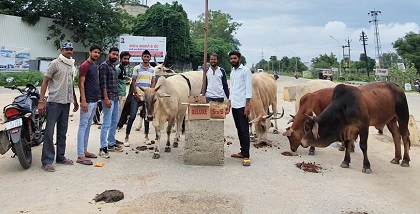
point(364, 38)
point(346, 57)
point(378, 51)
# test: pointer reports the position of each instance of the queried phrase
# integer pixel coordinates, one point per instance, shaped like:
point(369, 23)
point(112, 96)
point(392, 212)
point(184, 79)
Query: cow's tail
point(403, 115)
point(183, 126)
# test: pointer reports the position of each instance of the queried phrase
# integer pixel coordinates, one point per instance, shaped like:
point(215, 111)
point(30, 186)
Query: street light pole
point(339, 60)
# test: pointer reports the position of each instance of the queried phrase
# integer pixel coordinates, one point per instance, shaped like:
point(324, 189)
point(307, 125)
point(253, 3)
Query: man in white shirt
point(239, 100)
point(216, 87)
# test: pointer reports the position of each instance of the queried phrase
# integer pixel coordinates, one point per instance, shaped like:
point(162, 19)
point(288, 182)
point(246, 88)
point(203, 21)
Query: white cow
point(309, 87)
point(264, 95)
point(164, 104)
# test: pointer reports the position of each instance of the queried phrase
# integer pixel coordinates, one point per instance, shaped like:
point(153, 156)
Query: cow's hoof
point(367, 171)
point(344, 165)
point(340, 148)
point(156, 156)
point(167, 149)
point(395, 161)
point(175, 144)
point(311, 152)
point(275, 131)
point(405, 164)
point(352, 150)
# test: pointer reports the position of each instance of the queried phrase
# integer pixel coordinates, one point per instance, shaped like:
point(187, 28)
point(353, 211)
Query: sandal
point(84, 162)
point(48, 168)
point(246, 162)
point(65, 162)
point(90, 155)
point(237, 155)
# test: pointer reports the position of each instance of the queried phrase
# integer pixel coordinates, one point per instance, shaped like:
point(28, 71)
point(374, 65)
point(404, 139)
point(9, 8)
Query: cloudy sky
point(304, 28)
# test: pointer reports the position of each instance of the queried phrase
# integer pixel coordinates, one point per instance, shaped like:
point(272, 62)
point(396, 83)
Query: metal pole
point(206, 26)
point(339, 61)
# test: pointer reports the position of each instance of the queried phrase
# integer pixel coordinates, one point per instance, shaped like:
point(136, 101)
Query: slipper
point(246, 162)
point(237, 155)
point(48, 168)
point(84, 162)
point(65, 162)
point(90, 155)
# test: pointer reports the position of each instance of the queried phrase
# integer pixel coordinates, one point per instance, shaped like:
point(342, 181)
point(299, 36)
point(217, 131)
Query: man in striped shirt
point(144, 77)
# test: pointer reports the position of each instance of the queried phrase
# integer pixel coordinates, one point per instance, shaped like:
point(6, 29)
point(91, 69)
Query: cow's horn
point(157, 88)
point(281, 115)
point(255, 120)
point(268, 115)
point(313, 114)
point(315, 131)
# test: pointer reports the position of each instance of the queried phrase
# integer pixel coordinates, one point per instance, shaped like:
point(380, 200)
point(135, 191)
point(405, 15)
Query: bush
point(21, 78)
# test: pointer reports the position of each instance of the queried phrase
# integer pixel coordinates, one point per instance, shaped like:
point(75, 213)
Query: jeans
point(134, 107)
point(84, 128)
point(220, 100)
point(109, 124)
point(57, 113)
point(241, 123)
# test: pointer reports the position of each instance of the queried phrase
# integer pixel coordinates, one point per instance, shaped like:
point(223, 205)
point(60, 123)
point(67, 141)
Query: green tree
point(409, 49)
point(215, 45)
point(325, 61)
point(90, 21)
point(220, 25)
point(170, 21)
point(388, 59)
point(361, 64)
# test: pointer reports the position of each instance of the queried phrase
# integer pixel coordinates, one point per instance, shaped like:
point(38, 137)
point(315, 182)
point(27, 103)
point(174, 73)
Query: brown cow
point(351, 112)
point(264, 94)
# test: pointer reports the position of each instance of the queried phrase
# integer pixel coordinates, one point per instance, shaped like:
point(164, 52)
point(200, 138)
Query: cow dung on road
point(109, 196)
point(309, 167)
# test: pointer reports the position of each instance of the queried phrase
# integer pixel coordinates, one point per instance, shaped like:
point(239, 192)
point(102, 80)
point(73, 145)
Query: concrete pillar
point(204, 142)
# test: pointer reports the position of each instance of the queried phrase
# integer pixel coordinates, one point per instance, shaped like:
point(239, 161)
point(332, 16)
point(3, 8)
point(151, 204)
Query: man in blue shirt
point(239, 100)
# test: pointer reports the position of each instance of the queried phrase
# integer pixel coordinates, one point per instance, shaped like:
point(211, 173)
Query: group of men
point(107, 83)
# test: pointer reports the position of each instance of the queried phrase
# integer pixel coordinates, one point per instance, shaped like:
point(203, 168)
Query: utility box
point(204, 142)
point(289, 93)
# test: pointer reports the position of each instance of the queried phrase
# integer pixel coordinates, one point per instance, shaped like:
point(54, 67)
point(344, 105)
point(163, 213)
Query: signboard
point(135, 45)
point(401, 66)
point(381, 72)
point(334, 69)
point(14, 59)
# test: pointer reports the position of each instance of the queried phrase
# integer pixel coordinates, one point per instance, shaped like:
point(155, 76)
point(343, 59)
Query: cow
point(164, 104)
point(309, 87)
point(351, 112)
point(264, 94)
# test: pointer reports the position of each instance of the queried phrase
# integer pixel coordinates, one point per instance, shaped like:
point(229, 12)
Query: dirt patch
point(289, 154)
point(184, 202)
point(309, 167)
point(357, 212)
point(109, 196)
point(262, 144)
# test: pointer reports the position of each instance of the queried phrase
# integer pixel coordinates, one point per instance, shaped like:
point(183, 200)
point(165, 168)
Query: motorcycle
point(417, 85)
point(24, 127)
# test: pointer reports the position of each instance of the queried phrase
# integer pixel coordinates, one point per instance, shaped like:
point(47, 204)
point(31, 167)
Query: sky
point(310, 28)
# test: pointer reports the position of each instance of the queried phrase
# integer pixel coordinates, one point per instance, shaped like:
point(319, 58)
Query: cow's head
point(160, 67)
point(151, 100)
point(262, 123)
point(295, 132)
point(318, 134)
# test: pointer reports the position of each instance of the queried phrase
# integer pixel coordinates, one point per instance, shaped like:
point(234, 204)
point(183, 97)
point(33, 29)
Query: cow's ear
point(162, 94)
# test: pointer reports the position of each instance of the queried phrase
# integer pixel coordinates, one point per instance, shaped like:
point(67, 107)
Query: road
point(273, 184)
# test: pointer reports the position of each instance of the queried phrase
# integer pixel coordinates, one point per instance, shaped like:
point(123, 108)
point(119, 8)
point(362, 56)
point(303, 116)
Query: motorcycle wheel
point(23, 150)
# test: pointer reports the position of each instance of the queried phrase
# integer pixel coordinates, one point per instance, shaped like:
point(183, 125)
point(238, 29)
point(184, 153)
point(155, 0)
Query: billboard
point(135, 45)
point(14, 59)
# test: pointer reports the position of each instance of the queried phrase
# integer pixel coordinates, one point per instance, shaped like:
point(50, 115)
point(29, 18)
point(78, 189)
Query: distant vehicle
point(325, 74)
point(260, 70)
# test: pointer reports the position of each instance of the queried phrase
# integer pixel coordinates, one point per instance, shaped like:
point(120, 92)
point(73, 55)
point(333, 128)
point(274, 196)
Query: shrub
point(21, 78)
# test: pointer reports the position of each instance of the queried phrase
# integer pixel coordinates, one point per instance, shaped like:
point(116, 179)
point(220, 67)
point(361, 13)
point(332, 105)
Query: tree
point(168, 21)
point(325, 61)
point(221, 26)
point(361, 64)
point(90, 21)
point(409, 49)
point(388, 59)
point(215, 45)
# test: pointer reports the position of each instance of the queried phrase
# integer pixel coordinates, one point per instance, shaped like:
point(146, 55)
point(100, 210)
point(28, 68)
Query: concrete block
point(204, 142)
point(414, 133)
point(289, 93)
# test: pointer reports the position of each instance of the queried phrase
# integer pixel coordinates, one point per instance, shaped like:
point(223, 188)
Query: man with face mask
point(239, 100)
point(59, 81)
point(122, 78)
point(110, 104)
point(89, 92)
